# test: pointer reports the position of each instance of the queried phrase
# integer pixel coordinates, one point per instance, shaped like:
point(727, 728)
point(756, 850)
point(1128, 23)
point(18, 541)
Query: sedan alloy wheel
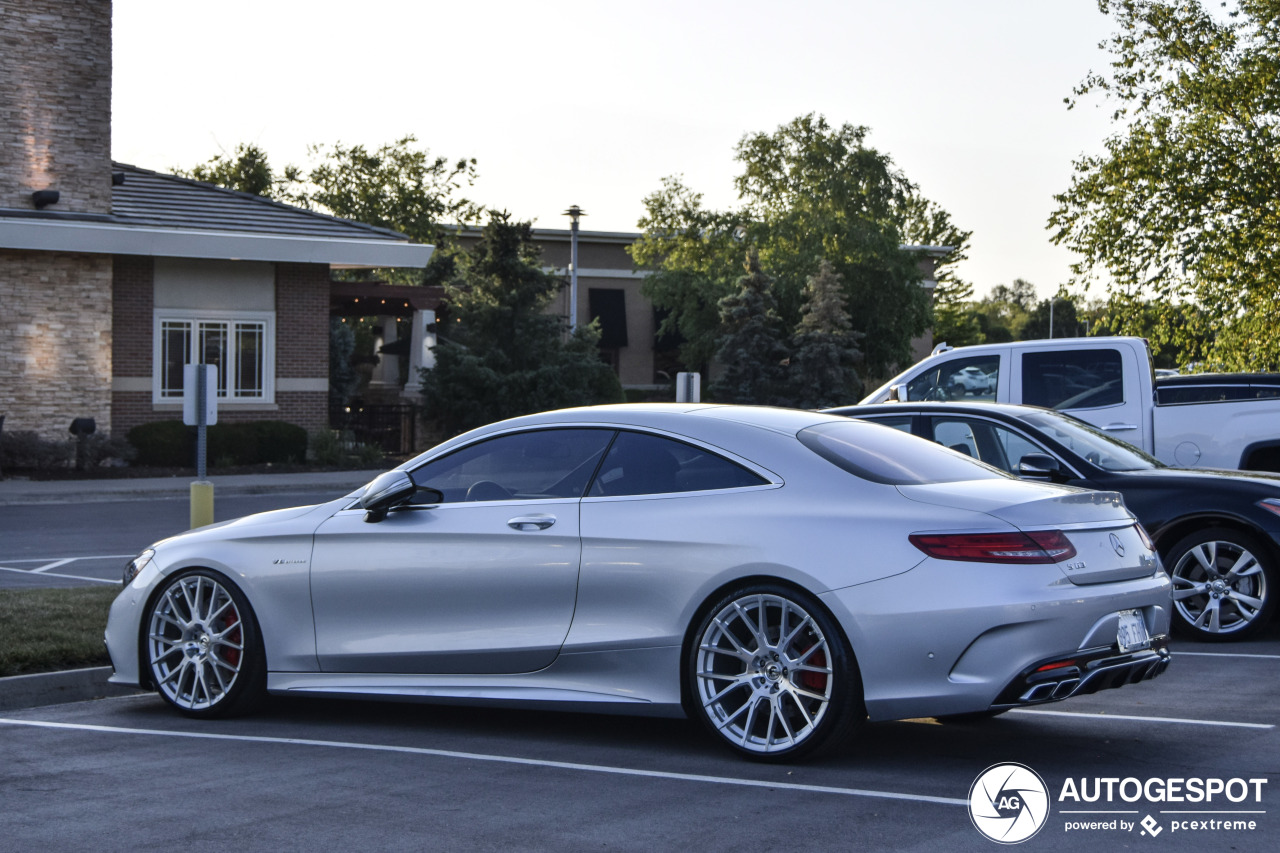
point(1222, 584)
point(771, 675)
point(202, 646)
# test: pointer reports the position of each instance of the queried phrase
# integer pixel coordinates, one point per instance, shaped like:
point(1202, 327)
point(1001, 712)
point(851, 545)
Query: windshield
point(1095, 446)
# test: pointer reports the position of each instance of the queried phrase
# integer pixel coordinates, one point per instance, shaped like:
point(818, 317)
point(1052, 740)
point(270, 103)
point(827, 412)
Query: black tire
point(1224, 584)
point(201, 646)
point(806, 678)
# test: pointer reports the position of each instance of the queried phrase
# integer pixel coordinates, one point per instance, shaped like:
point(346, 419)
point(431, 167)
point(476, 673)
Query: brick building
point(112, 277)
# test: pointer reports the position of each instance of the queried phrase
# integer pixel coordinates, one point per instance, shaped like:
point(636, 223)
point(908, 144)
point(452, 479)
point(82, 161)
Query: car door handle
point(531, 522)
point(1119, 427)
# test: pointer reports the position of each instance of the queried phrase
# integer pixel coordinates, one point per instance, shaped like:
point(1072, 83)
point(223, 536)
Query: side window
point(642, 464)
point(985, 441)
point(956, 435)
point(1072, 379)
point(1015, 447)
point(553, 463)
point(969, 378)
point(898, 422)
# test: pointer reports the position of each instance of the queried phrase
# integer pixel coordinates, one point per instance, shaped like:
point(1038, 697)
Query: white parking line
point(1182, 654)
point(502, 759)
point(56, 575)
point(54, 564)
point(1178, 720)
point(69, 559)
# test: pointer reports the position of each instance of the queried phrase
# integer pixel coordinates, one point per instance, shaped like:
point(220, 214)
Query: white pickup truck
point(1198, 421)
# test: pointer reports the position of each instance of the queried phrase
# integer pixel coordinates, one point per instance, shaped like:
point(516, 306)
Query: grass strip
point(45, 630)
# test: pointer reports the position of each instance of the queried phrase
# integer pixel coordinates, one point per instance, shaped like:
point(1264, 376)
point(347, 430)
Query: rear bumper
point(1084, 672)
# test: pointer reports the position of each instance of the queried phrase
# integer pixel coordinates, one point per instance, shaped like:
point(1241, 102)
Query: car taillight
point(1146, 539)
point(1040, 546)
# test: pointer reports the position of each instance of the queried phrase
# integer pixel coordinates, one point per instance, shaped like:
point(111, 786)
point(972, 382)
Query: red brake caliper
point(233, 655)
point(815, 681)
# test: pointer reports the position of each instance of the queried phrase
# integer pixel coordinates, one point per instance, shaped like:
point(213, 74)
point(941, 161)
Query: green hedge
point(172, 444)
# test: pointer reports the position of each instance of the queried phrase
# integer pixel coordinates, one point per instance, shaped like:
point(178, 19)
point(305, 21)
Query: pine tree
point(502, 355)
point(824, 349)
point(751, 345)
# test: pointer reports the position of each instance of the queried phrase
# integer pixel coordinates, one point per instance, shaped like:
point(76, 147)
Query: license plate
point(1132, 633)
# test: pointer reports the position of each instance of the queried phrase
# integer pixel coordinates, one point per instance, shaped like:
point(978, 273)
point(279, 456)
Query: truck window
point(1072, 379)
point(971, 378)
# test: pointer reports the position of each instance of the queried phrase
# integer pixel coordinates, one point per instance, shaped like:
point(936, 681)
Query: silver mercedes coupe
point(781, 576)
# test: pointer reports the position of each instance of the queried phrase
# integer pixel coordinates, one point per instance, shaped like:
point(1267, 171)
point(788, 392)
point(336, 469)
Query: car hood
point(1023, 504)
point(1263, 483)
point(273, 522)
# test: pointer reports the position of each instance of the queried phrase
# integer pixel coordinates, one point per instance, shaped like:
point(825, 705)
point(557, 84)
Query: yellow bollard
point(201, 503)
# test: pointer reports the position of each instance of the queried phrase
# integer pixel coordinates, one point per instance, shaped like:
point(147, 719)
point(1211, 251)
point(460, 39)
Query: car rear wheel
point(771, 675)
point(202, 646)
point(1224, 584)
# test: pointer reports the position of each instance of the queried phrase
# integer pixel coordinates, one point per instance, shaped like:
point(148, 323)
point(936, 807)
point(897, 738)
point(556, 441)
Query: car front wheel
point(202, 646)
point(1224, 584)
point(771, 675)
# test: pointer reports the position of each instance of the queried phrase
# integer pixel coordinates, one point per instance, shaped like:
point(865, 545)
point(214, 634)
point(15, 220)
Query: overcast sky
point(593, 103)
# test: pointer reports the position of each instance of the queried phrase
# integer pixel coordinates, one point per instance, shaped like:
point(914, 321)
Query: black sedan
point(1218, 532)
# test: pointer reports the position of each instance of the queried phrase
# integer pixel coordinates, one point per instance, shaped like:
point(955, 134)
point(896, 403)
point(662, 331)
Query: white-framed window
point(240, 343)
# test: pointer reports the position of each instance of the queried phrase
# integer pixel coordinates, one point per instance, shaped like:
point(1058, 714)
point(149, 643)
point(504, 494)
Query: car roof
point(656, 414)
point(1006, 410)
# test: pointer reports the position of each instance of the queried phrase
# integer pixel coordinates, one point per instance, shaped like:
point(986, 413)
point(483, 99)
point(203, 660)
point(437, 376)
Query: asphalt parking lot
point(128, 773)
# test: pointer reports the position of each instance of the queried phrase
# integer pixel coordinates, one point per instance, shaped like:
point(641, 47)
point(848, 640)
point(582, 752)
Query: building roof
point(167, 216)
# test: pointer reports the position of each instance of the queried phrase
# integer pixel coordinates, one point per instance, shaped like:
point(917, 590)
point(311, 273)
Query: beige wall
point(55, 103)
point(55, 341)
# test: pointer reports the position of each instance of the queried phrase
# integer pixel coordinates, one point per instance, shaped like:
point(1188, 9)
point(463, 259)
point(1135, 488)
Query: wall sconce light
point(43, 198)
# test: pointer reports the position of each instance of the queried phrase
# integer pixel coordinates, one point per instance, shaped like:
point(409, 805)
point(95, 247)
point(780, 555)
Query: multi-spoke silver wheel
point(766, 674)
point(1221, 584)
point(197, 643)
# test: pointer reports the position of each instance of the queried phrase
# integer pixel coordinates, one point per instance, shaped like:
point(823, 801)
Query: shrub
point(172, 444)
point(100, 449)
point(232, 444)
point(25, 449)
point(338, 447)
point(280, 442)
point(164, 444)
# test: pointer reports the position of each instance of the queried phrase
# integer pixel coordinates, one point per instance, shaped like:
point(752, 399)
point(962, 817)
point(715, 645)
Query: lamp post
point(573, 213)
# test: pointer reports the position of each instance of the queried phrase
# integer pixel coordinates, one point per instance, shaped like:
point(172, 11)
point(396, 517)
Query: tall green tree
point(823, 365)
point(807, 191)
point(503, 355)
point(1054, 317)
point(245, 170)
point(399, 186)
point(752, 349)
point(955, 314)
point(1183, 206)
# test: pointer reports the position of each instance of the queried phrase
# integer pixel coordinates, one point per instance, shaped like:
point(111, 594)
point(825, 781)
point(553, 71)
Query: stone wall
point(55, 341)
point(55, 103)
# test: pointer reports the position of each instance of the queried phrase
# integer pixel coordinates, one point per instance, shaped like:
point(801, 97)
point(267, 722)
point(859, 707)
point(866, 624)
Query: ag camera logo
point(1008, 803)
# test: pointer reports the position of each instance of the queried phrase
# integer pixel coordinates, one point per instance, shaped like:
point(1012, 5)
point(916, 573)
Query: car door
point(484, 581)
point(661, 515)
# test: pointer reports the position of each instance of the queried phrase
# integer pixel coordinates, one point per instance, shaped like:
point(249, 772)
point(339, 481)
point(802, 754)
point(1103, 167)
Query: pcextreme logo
point(1008, 803)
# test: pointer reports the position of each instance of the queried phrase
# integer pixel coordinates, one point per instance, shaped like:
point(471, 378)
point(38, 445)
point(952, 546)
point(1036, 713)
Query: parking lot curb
point(56, 688)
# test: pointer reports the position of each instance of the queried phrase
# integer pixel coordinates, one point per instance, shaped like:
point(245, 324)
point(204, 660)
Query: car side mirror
point(384, 492)
point(897, 393)
point(1039, 466)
